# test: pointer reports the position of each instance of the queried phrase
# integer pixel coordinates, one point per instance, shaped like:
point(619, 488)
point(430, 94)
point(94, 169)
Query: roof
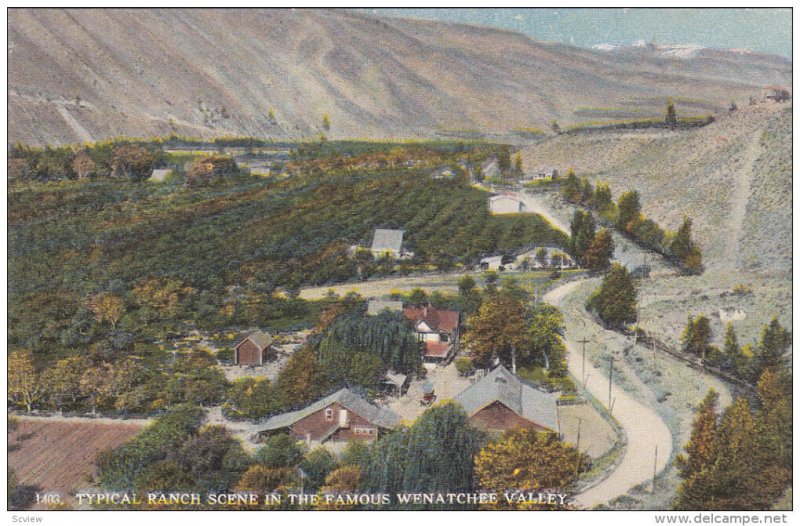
point(385, 239)
point(436, 319)
point(347, 399)
point(159, 174)
point(492, 259)
point(397, 379)
point(375, 307)
point(502, 386)
point(437, 349)
point(259, 338)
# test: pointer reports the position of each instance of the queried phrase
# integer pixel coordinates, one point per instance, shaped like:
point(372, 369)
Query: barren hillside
point(733, 178)
point(81, 74)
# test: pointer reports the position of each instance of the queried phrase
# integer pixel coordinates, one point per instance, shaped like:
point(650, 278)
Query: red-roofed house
point(438, 328)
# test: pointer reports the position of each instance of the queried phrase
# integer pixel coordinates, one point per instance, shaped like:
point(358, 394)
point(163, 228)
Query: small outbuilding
point(159, 175)
point(253, 349)
point(387, 241)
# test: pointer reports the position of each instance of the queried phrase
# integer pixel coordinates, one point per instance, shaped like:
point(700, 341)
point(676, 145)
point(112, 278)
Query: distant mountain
point(78, 75)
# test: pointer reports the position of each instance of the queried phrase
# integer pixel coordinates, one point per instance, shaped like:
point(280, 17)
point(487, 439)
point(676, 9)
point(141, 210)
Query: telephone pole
point(583, 343)
point(655, 467)
point(610, 375)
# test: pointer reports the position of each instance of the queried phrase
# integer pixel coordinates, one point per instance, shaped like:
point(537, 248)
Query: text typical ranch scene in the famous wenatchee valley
point(304, 259)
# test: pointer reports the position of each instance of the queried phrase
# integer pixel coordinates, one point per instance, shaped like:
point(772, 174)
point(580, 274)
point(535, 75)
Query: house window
point(329, 413)
point(443, 337)
point(368, 431)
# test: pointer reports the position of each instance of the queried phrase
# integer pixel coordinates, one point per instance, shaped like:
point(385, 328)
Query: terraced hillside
point(77, 75)
point(733, 178)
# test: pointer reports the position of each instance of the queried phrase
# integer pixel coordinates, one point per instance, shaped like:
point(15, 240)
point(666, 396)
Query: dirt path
point(73, 123)
point(741, 195)
point(643, 427)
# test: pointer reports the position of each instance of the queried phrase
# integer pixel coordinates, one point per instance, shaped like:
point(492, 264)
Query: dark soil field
point(54, 456)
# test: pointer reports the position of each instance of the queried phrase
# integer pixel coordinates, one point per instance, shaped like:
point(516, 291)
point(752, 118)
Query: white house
point(505, 204)
point(492, 263)
point(387, 241)
point(159, 174)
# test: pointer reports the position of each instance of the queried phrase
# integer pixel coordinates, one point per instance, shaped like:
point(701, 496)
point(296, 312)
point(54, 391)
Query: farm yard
point(49, 455)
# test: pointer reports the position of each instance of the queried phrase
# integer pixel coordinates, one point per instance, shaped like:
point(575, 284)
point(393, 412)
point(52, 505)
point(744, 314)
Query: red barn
point(500, 401)
point(342, 416)
point(253, 349)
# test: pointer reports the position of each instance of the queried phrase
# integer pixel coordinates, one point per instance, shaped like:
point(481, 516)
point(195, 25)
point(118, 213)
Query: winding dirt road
point(644, 429)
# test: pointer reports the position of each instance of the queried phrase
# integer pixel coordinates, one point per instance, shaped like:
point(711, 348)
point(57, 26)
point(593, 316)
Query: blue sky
point(765, 30)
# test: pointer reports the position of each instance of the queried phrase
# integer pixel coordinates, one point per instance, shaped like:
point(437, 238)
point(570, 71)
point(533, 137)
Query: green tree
point(24, 387)
point(582, 228)
point(280, 451)
point(525, 460)
point(602, 201)
point(317, 464)
point(670, 115)
point(546, 344)
point(684, 249)
point(571, 188)
point(598, 254)
point(735, 360)
point(629, 211)
point(771, 350)
point(614, 301)
point(498, 330)
point(466, 285)
point(518, 164)
point(701, 446)
point(696, 337)
point(434, 454)
point(301, 380)
point(326, 121)
point(555, 127)
point(504, 159)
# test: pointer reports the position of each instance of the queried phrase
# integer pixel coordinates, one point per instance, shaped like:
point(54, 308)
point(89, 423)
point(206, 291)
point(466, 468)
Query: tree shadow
point(23, 497)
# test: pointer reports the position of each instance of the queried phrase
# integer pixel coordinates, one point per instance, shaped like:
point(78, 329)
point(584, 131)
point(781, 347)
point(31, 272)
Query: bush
point(463, 365)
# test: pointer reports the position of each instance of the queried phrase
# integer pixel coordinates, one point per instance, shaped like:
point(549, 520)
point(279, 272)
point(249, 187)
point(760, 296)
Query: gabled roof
point(259, 338)
point(347, 399)
point(375, 307)
point(159, 174)
point(436, 319)
point(437, 349)
point(385, 239)
point(502, 386)
point(398, 379)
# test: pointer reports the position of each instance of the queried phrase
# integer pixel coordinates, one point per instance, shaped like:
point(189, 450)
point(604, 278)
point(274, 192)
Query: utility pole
point(655, 466)
point(583, 343)
point(610, 375)
point(578, 448)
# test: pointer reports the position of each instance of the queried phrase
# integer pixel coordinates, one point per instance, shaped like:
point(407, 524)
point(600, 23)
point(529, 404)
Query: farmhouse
point(492, 263)
point(438, 329)
point(505, 204)
point(500, 401)
point(375, 307)
point(386, 241)
point(160, 174)
point(253, 349)
point(342, 416)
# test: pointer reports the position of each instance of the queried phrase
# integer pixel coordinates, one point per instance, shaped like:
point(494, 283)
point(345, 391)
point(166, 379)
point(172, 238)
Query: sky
point(764, 30)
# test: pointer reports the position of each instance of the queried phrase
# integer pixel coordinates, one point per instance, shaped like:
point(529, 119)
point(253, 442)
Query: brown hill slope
point(81, 74)
point(733, 178)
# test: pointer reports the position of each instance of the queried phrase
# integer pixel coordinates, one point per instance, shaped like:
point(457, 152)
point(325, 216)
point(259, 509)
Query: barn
point(253, 349)
point(339, 417)
point(501, 401)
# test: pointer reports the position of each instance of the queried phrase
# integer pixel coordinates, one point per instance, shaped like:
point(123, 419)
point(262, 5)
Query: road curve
point(644, 429)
